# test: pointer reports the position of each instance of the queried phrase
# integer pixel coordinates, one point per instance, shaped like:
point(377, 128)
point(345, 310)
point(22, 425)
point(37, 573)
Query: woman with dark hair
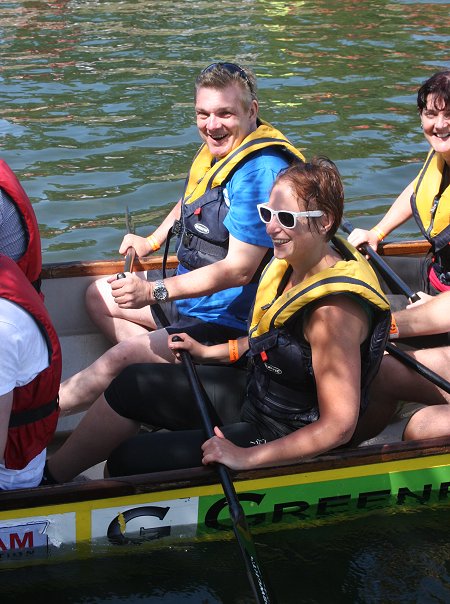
point(316, 338)
point(427, 198)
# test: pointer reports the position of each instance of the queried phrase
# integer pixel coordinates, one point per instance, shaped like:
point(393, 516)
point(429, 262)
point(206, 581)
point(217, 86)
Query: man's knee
point(96, 297)
point(150, 348)
point(92, 295)
point(410, 432)
point(436, 359)
point(429, 422)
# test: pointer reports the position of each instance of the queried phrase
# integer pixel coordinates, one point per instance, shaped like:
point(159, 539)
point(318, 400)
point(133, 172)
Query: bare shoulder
point(337, 315)
point(337, 306)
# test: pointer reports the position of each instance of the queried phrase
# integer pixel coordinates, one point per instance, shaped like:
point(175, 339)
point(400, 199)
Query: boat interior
point(82, 343)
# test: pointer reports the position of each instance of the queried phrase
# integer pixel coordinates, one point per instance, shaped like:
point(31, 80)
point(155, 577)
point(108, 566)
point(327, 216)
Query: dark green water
point(96, 114)
point(96, 99)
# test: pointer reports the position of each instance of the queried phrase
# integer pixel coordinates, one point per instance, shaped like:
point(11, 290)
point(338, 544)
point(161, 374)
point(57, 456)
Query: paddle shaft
point(129, 260)
point(421, 369)
point(383, 266)
point(131, 252)
point(396, 352)
point(240, 526)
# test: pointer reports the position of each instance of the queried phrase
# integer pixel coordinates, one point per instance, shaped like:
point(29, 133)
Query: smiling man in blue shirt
point(221, 243)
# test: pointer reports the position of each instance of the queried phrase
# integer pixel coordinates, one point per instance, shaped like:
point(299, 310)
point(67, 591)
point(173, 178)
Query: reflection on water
point(96, 99)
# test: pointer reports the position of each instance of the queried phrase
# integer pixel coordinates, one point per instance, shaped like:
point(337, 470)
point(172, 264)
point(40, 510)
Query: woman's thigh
point(163, 451)
point(160, 395)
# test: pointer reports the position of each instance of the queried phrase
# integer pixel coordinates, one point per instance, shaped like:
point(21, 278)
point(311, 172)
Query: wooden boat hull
point(98, 516)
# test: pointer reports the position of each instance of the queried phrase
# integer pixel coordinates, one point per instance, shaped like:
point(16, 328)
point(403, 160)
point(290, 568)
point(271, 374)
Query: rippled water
point(96, 99)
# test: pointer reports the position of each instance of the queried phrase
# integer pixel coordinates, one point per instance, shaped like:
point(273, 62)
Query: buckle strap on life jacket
point(37, 284)
point(29, 416)
point(174, 230)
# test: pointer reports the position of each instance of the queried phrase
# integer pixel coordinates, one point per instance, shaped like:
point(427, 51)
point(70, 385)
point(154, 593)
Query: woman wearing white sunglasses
point(316, 339)
point(317, 331)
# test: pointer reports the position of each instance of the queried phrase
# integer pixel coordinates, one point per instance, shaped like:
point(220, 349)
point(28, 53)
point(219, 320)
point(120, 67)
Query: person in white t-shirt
point(24, 355)
point(30, 376)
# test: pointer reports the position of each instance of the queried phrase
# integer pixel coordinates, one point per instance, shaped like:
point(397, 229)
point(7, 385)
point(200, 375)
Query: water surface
point(385, 558)
point(96, 100)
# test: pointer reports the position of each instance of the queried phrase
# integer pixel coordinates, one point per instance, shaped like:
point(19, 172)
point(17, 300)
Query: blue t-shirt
point(249, 185)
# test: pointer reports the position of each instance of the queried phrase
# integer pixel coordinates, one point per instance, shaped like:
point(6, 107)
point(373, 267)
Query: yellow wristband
point(153, 242)
point(233, 350)
point(379, 233)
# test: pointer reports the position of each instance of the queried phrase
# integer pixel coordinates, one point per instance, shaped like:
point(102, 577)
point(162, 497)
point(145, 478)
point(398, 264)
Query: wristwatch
point(160, 292)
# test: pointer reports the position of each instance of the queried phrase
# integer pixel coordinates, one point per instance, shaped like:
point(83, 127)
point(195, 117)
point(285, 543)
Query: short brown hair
point(220, 75)
point(318, 184)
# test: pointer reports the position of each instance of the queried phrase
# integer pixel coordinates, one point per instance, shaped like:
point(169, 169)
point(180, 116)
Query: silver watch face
point(160, 291)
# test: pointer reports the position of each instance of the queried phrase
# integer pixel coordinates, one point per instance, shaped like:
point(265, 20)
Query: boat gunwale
point(107, 488)
point(86, 268)
point(105, 267)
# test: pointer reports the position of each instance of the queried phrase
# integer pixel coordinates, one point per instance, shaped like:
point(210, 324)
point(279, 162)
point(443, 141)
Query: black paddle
point(401, 286)
point(205, 407)
point(383, 266)
point(421, 369)
point(131, 252)
point(240, 526)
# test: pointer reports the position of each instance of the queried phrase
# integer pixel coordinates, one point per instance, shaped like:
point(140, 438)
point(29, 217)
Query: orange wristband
point(233, 350)
point(394, 332)
point(153, 242)
point(379, 233)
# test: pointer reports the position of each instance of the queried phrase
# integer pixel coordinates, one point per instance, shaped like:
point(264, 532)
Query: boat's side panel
point(55, 531)
point(81, 342)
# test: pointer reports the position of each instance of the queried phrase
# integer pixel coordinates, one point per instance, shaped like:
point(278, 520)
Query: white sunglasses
point(286, 218)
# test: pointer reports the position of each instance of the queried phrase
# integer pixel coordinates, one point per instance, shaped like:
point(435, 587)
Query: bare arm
point(220, 353)
point(337, 370)
point(398, 213)
point(6, 401)
point(236, 269)
point(431, 317)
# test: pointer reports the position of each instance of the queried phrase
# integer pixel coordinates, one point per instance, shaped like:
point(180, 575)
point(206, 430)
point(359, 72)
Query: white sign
point(146, 520)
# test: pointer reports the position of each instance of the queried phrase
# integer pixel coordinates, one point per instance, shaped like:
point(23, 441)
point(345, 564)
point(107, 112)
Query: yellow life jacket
point(273, 310)
point(431, 205)
point(203, 176)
